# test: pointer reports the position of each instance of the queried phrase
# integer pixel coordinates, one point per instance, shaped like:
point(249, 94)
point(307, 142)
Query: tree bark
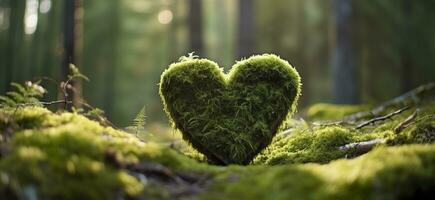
point(344, 70)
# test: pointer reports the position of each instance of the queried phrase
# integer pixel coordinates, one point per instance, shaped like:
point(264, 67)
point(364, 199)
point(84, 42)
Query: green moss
point(325, 111)
point(386, 173)
point(230, 117)
point(23, 119)
point(64, 157)
point(319, 145)
point(421, 132)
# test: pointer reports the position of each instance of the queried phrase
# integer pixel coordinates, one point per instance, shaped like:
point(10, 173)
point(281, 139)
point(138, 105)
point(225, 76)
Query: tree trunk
point(245, 40)
point(109, 93)
point(68, 42)
point(302, 60)
point(406, 78)
point(51, 60)
point(15, 40)
point(195, 27)
point(344, 71)
point(173, 44)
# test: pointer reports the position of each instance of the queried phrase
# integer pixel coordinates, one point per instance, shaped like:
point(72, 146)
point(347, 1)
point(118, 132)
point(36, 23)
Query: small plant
point(29, 93)
point(25, 94)
point(65, 86)
point(75, 73)
point(139, 121)
point(190, 56)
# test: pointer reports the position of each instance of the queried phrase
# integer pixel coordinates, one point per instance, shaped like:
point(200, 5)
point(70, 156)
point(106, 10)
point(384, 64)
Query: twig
point(45, 78)
point(381, 118)
point(361, 146)
point(55, 102)
point(328, 123)
point(405, 123)
point(333, 123)
point(412, 97)
point(63, 87)
point(43, 103)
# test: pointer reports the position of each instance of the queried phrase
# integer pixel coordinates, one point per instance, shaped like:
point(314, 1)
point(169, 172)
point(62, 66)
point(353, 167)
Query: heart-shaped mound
point(230, 117)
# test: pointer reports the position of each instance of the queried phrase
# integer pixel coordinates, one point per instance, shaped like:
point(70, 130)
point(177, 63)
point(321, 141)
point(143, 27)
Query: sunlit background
point(347, 51)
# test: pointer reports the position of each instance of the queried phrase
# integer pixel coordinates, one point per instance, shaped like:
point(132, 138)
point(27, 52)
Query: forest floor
point(331, 152)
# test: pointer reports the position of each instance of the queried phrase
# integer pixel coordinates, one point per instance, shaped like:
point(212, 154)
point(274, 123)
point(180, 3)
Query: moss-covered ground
point(46, 155)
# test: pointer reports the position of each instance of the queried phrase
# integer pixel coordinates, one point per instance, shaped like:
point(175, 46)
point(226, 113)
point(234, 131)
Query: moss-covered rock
point(230, 117)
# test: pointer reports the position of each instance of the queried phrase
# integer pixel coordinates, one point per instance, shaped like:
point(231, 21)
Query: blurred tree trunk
point(68, 42)
point(3, 50)
point(406, 78)
point(15, 41)
point(344, 71)
point(219, 31)
point(245, 39)
point(173, 45)
point(302, 60)
point(195, 27)
point(51, 55)
point(109, 92)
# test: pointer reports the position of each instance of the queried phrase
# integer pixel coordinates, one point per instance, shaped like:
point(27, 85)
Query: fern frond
point(27, 93)
point(17, 97)
point(19, 87)
point(138, 122)
point(6, 101)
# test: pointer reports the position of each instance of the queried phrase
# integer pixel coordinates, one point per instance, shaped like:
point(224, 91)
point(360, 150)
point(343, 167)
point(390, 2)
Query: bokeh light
point(165, 16)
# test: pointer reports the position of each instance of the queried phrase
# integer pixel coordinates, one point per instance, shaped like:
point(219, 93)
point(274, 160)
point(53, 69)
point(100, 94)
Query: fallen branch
point(333, 123)
point(405, 123)
point(412, 97)
point(43, 103)
point(365, 146)
point(56, 102)
point(381, 118)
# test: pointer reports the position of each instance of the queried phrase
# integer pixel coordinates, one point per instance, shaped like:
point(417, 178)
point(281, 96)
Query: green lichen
point(230, 117)
point(325, 111)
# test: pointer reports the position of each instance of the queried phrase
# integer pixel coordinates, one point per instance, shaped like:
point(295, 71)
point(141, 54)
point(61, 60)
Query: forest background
point(347, 51)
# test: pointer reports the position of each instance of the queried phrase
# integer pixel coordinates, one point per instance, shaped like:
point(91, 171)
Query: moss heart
point(230, 117)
